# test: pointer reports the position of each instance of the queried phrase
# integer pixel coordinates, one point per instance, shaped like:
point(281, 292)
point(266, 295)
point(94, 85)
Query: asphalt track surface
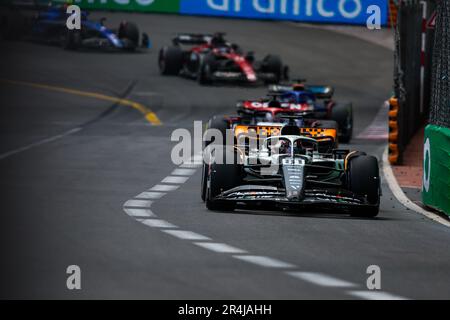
point(62, 200)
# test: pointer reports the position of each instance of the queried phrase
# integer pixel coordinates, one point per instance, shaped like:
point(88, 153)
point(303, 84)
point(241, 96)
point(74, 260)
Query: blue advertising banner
point(323, 11)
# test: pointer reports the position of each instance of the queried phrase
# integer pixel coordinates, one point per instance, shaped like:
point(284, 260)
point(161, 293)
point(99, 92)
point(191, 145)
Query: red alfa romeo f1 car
point(210, 58)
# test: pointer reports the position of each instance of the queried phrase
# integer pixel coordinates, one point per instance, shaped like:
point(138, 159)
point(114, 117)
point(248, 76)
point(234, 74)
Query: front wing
point(270, 197)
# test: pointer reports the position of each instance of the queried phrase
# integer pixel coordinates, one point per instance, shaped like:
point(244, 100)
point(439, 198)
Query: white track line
point(150, 195)
point(135, 212)
point(175, 179)
point(187, 235)
point(402, 198)
point(164, 188)
point(321, 279)
point(190, 165)
point(183, 172)
point(265, 261)
point(219, 247)
point(375, 295)
point(138, 203)
point(39, 143)
point(157, 223)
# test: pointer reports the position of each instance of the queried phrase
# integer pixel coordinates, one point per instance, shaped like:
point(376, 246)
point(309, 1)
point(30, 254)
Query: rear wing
point(192, 39)
point(321, 92)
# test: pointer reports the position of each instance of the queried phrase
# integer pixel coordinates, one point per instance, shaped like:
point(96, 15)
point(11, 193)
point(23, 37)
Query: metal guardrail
point(413, 68)
point(440, 85)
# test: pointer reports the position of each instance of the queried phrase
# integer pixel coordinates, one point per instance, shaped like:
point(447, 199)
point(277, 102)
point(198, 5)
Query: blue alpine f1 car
point(47, 23)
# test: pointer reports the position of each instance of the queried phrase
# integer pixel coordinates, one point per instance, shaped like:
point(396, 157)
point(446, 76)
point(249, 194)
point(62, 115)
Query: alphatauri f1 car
point(210, 58)
point(47, 23)
point(305, 101)
point(289, 168)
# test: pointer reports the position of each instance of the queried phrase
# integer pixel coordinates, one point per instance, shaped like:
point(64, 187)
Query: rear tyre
point(13, 25)
point(272, 64)
point(343, 115)
point(170, 60)
point(364, 180)
point(130, 32)
point(72, 40)
point(328, 124)
point(221, 124)
point(222, 177)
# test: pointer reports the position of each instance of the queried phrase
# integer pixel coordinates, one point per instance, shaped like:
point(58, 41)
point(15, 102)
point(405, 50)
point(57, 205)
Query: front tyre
point(205, 168)
point(364, 180)
point(223, 176)
point(204, 76)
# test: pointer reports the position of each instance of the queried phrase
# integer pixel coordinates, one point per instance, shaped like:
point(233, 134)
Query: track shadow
point(309, 214)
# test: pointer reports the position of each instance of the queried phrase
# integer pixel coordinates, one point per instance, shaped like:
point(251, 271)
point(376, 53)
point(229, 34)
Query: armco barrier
point(436, 165)
point(167, 6)
point(323, 11)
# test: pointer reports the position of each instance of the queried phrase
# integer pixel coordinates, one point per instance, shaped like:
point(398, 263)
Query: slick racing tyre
point(221, 124)
point(205, 168)
point(364, 180)
point(204, 75)
point(170, 60)
point(72, 40)
point(343, 115)
point(222, 177)
point(129, 31)
point(13, 25)
point(328, 124)
point(272, 64)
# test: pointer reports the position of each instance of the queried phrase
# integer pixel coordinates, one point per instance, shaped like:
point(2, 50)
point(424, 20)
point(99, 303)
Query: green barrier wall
point(170, 6)
point(436, 168)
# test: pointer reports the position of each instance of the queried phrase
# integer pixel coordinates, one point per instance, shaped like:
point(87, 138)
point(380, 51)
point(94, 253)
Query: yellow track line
point(149, 115)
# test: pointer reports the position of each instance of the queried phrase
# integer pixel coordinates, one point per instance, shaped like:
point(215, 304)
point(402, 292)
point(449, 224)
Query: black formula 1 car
point(286, 169)
point(44, 22)
point(210, 58)
point(305, 101)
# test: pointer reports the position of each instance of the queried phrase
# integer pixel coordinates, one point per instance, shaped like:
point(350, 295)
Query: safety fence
point(422, 93)
point(436, 181)
point(355, 12)
point(414, 42)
